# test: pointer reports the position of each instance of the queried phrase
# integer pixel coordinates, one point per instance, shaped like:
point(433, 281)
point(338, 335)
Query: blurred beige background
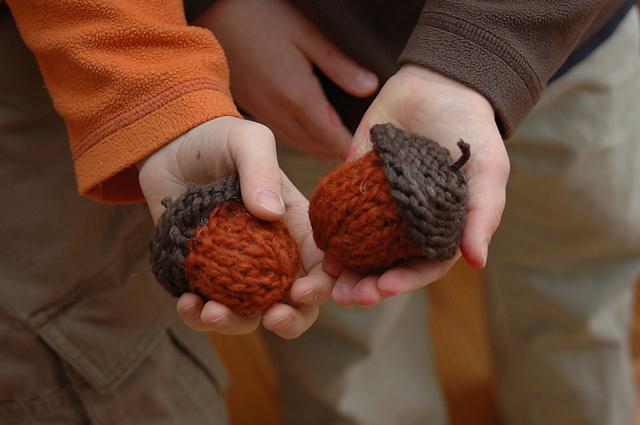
point(464, 365)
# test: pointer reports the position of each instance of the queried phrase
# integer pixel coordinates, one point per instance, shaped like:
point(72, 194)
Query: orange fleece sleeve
point(127, 77)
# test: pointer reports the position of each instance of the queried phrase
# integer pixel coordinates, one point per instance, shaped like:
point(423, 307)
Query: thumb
point(253, 150)
point(486, 204)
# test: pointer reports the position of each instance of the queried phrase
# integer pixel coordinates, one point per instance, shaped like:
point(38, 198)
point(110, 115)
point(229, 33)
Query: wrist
point(437, 82)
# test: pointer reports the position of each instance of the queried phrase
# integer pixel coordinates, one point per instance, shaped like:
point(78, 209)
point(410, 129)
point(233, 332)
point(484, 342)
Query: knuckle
point(253, 132)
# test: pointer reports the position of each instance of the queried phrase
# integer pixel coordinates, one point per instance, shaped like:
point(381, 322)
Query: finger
point(340, 68)
point(332, 267)
point(366, 293)
point(316, 286)
point(486, 204)
point(253, 150)
point(313, 289)
point(343, 290)
point(316, 117)
point(290, 322)
point(277, 117)
point(283, 108)
point(297, 220)
point(219, 318)
point(329, 132)
point(288, 129)
point(189, 307)
point(413, 276)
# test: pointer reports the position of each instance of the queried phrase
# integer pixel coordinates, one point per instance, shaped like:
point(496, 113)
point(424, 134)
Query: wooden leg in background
point(461, 347)
point(253, 392)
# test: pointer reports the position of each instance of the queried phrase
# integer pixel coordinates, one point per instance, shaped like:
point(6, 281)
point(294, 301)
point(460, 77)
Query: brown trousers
point(86, 334)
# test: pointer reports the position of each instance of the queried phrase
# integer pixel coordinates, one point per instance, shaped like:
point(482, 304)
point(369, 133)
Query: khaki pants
point(86, 334)
point(560, 278)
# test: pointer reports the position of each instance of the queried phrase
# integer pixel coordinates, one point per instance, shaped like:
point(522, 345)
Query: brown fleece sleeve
point(127, 77)
point(506, 50)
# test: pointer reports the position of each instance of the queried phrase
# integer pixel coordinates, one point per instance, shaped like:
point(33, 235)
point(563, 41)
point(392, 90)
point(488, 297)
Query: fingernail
point(191, 310)
point(220, 322)
point(282, 323)
point(366, 81)
point(308, 295)
point(270, 201)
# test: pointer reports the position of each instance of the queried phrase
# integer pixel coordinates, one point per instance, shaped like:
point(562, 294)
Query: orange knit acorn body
point(405, 199)
point(207, 243)
point(356, 220)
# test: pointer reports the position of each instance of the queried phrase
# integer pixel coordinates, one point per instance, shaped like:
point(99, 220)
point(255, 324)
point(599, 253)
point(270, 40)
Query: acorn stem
point(466, 153)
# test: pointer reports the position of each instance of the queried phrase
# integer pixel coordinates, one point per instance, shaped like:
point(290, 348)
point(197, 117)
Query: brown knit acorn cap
point(430, 190)
point(177, 225)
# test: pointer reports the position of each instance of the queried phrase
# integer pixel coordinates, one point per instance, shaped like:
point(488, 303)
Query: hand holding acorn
point(207, 221)
point(423, 102)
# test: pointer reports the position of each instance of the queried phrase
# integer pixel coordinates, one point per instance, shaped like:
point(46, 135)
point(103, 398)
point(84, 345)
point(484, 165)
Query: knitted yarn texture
point(404, 199)
point(206, 242)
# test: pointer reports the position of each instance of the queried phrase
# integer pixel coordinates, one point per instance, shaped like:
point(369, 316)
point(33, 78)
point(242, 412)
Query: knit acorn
point(206, 242)
point(405, 199)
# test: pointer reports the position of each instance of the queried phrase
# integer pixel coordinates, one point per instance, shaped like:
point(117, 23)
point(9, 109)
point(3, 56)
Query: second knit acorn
point(405, 199)
point(207, 243)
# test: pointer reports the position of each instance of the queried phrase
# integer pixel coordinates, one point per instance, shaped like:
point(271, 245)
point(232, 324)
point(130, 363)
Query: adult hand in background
point(271, 49)
point(218, 148)
point(424, 102)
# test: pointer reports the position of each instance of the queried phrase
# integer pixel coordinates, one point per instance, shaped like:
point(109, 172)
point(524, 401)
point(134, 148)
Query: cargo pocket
point(108, 331)
point(129, 357)
point(200, 377)
point(33, 388)
point(178, 380)
point(173, 376)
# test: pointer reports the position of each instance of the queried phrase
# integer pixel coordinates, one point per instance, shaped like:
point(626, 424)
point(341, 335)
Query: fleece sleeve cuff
point(105, 161)
point(477, 58)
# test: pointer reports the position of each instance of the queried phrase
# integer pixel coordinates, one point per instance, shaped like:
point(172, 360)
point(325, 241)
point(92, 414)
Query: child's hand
point(271, 49)
point(225, 146)
point(424, 102)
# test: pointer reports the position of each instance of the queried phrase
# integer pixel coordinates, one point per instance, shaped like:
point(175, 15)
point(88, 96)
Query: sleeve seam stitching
point(145, 108)
point(489, 42)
